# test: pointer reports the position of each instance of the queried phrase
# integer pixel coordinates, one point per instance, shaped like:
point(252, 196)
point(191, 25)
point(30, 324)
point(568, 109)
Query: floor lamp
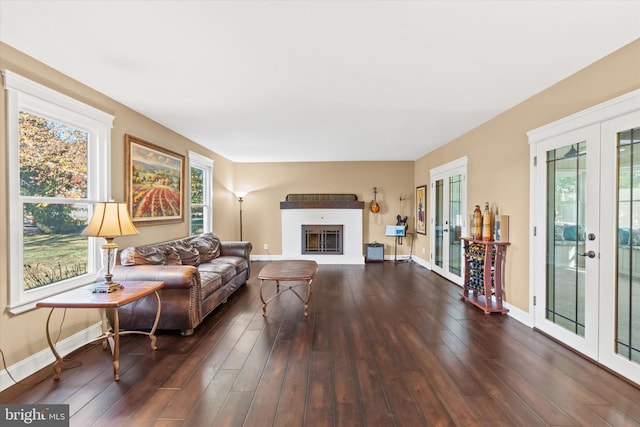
point(241, 196)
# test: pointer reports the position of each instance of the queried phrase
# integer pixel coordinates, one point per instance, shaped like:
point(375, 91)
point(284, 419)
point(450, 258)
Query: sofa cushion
point(207, 245)
point(239, 263)
point(188, 254)
point(225, 270)
point(210, 282)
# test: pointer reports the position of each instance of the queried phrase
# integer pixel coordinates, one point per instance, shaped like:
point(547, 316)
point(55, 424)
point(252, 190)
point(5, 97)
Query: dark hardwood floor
point(384, 345)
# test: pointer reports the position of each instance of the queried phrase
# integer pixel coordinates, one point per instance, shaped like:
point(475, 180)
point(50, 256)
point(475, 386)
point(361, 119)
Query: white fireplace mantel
point(350, 219)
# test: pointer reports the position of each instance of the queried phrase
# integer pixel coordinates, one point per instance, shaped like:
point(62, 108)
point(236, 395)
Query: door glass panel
point(439, 219)
point(628, 240)
point(566, 201)
point(455, 225)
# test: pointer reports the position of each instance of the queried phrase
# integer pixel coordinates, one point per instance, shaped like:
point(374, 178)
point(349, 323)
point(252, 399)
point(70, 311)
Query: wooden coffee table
point(84, 297)
point(288, 271)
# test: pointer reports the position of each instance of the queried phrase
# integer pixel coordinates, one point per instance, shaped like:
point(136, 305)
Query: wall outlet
point(424, 251)
point(266, 246)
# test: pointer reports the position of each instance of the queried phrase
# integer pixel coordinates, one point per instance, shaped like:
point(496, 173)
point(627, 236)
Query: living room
point(498, 171)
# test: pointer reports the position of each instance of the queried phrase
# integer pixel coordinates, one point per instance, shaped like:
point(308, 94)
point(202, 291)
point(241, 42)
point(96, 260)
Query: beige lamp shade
point(109, 220)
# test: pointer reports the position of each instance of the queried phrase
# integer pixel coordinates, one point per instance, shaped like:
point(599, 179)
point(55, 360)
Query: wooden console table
point(288, 271)
point(484, 273)
point(84, 297)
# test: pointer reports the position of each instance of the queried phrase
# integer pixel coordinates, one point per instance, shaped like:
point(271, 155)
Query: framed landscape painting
point(421, 217)
point(155, 183)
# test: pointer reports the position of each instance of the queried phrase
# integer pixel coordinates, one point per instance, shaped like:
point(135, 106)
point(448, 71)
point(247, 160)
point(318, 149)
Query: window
point(58, 162)
point(201, 172)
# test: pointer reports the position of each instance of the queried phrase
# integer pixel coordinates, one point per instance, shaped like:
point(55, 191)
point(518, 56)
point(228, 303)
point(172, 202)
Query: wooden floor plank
point(292, 400)
point(202, 375)
point(234, 410)
point(207, 406)
point(375, 408)
point(384, 344)
point(427, 400)
point(320, 411)
point(346, 392)
point(401, 403)
point(267, 395)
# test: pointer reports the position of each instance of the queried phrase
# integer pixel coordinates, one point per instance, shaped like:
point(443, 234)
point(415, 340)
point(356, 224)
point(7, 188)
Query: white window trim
point(26, 95)
point(206, 164)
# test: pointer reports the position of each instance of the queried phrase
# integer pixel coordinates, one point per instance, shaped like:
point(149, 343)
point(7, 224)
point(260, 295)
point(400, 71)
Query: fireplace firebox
point(321, 239)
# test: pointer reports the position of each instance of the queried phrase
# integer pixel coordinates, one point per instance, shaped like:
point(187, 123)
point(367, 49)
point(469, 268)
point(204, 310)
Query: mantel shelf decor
point(321, 201)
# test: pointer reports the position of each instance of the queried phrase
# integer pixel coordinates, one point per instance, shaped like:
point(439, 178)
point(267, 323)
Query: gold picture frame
point(154, 183)
point(421, 206)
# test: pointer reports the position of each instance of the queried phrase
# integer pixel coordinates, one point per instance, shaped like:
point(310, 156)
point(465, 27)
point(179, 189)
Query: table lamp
point(109, 220)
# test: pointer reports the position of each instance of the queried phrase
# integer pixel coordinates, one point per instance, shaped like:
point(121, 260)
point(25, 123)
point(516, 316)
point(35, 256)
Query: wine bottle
point(477, 223)
point(486, 223)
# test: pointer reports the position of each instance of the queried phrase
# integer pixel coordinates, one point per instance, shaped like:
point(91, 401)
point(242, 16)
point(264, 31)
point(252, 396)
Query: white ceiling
point(267, 81)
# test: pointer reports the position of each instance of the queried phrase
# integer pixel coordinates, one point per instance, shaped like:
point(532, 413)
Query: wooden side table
point(84, 297)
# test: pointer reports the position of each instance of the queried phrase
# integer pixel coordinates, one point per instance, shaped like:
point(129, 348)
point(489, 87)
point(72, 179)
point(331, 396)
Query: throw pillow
point(188, 254)
point(207, 245)
point(143, 255)
point(173, 257)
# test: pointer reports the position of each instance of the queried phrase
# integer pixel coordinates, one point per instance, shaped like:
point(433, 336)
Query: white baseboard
point(320, 259)
point(34, 363)
point(426, 264)
point(519, 315)
point(266, 257)
point(414, 258)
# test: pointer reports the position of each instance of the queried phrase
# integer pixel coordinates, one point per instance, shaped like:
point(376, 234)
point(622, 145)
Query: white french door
point(585, 266)
point(619, 344)
point(567, 177)
point(448, 218)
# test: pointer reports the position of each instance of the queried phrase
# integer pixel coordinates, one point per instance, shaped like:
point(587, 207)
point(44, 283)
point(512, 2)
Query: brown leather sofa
point(199, 272)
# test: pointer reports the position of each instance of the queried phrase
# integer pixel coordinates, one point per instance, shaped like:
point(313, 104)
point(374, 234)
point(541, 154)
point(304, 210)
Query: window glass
point(197, 184)
point(54, 249)
point(53, 158)
point(58, 167)
point(53, 165)
point(201, 170)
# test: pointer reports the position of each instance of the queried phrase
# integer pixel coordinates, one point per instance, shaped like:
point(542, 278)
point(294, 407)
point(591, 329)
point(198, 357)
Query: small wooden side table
point(84, 297)
point(288, 271)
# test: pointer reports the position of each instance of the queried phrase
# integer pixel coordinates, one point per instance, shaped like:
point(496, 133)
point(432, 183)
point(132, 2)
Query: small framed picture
point(421, 205)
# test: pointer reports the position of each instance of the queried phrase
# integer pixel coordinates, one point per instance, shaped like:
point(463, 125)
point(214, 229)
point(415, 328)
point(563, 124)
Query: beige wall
point(23, 335)
point(269, 183)
point(498, 151)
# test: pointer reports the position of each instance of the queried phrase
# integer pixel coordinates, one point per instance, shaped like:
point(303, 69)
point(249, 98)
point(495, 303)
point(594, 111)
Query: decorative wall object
point(374, 206)
point(155, 183)
point(421, 205)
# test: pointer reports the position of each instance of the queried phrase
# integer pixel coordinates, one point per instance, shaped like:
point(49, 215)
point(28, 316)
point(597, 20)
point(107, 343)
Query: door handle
point(590, 254)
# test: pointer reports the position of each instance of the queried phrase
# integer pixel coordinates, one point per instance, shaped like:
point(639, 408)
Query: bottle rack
point(483, 274)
